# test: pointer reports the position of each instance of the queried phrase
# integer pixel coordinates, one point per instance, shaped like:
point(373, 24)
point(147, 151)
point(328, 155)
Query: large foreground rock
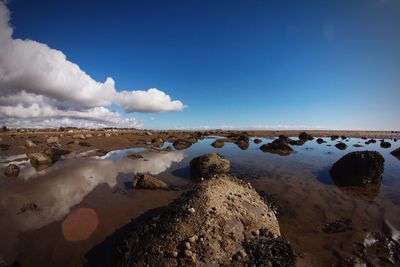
point(221, 222)
point(208, 165)
point(396, 153)
point(47, 157)
point(146, 181)
point(358, 168)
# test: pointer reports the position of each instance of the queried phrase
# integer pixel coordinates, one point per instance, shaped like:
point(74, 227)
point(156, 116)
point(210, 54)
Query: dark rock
point(334, 137)
point(341, 146)
point(257, 141)
point(277, 147)
point(208, 165)
point(358, 168)
point(320, 140)
point(284, 138)
point(305, 136)
point(11, 170)
point(385, 144)
point(358, 145)
point(145, 181)
point(181, 144)
point(343, 137)
point(218, 143)
point(242, 144)
point(297, 142)
point(372, 141)
point(396, 153)
point(266, 250)
point(338, 226)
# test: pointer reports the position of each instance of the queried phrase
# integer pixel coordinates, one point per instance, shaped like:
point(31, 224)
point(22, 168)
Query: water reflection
point(55, 190)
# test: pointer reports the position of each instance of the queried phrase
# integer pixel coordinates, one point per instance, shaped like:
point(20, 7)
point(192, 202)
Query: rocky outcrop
point(221, 222)
point(358, 168)
point(145, 181)
point(208, 165)
point(11, 170)
point(396, 153)
point(181, 144)
point(218, 143)
point(277, 147)
point(341, 146)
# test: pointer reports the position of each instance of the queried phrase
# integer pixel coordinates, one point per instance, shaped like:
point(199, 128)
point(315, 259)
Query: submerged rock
point(320, 141)
point(218, 143)
point(341, 146)
point(358, 168)
point(396, 153)
point(242, 144)
point(257, 141)
point(11, 170)
point(146, 181)
point(277, 147)
point(181, 144)
point(208, 165)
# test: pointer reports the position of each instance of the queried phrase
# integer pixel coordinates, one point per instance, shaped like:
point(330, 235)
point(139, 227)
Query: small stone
point(193, 239)
point(29, 144)
point(187, 245)
point(174, 254)
point(256, 232)
point(242, 253)
point(191, 210)
point(188, 253)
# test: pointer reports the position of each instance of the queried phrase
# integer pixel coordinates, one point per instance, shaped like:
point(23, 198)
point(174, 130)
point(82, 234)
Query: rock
point(145, 181)
point(305, 136)
point(89, 135)
point(297, 142)
point(320, 140)
point(334, 137)
point(372, 141)
point(242, 144)
point(396, 153)
point(191, 210)
point(341, 146)
point(343, 137)
point(385, 144)
point(224, 232)
point(181, 144)
point(358, 168)
point(47, 157)
point(79, 136)
point(338, 226)
point(174, 254)
point(208, 165)
point(257, 141)
point(218, 143)
point(29, 144)
point(358, 145)
point(134, 156)
point(277, 147)
point(148, 133)
point(107, 135)
point(157, 140)
point(11, 170)
point(52, 140)
point(284, 138)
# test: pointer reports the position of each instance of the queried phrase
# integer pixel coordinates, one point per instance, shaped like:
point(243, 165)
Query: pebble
point(193, 239)
point(256, 232)
point(188, 253)
point(187, 245)
point(242, 253)
point(191, 210)
point(174, 254)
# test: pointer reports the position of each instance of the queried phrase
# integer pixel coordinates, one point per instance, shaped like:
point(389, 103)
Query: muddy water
point(79, 202)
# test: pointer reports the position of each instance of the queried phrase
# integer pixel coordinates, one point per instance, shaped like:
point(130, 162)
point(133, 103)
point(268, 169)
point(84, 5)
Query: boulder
point(47, 157)
point(277, 147)
point(358, 168)
point(181, 144)
point(385, 144)
point(220, 222)
point(29, 144)
point(218, 143)
point(208, 165)
point(145, 181)
point(320, 140)
point(396, 153)
point(257, 141)
point(11, 170)
point(52, 140)
point(341, 146)
point(305, 136)
point(79, 136)
point(242, 144)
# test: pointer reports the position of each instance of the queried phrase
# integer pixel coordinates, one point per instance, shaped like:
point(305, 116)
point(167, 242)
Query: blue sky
point(299, 64)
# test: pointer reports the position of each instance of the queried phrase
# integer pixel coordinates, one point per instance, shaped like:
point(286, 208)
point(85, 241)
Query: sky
point(201, 64)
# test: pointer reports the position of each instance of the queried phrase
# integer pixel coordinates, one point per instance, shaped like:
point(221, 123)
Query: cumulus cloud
point(38, 81)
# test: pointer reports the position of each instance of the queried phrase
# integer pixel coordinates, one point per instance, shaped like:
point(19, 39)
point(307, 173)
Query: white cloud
point(38, 81)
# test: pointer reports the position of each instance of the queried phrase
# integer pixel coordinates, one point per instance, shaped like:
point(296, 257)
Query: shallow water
point(79, 202)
